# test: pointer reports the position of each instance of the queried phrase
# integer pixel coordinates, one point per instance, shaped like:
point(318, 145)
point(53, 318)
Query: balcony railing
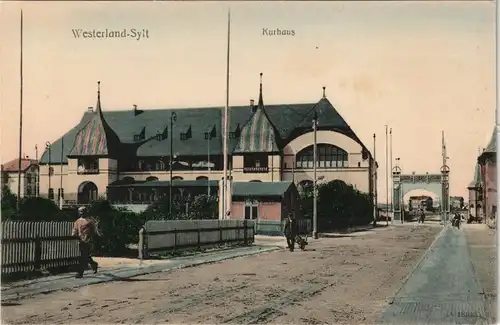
point(88, 171)
point(255, 169)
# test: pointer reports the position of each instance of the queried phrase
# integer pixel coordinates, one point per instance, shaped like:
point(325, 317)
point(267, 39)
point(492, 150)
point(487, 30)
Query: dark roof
point(289, 121)
point(476, 181)
point(491, 148)
point(260, 189)
point(175, 183)
point(259, 134)
point(492, 145)
point(13, 165)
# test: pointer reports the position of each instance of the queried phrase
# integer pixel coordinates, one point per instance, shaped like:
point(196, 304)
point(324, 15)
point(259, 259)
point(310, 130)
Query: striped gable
point(258, 134)
point(91, 139)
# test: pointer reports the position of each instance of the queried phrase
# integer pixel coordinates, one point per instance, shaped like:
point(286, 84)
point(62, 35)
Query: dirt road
point(338, 280)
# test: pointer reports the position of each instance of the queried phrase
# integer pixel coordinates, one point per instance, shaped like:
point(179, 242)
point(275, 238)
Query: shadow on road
point(127, 279)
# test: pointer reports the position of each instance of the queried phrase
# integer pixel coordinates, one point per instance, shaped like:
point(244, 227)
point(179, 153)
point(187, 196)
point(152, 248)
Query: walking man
point(290, 231)
point(85, 229)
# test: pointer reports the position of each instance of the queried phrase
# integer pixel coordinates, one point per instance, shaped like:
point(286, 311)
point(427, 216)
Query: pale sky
point(420, 67)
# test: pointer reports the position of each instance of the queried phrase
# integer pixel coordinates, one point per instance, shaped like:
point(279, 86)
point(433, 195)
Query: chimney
point(252, 106)
point(90, 109)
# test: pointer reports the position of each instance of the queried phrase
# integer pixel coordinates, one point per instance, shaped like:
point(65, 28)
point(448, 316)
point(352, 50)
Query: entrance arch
point(434, 183)
point(87, 192)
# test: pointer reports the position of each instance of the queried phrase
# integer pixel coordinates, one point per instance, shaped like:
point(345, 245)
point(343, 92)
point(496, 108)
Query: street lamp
point(315, 184)
point(48, 146)
point(399, 198)
point(173, 118)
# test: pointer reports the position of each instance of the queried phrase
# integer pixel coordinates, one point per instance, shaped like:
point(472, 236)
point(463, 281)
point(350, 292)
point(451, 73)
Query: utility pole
point(386, 177)
point(37, 175)
point(390, 171)
point(374, 176)
point(20, 122)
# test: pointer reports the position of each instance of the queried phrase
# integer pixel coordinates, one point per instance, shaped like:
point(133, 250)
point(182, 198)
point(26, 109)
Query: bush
point(339, 205)
point(118, 229)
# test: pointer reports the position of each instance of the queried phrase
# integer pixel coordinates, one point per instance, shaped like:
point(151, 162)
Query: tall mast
point(226, 121)
point(20, 121)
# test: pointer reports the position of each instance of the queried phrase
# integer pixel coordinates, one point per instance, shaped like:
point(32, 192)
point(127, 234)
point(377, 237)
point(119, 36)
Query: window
point(328, 156)
point(160, 165)
point(255, 160)
point(251, 211)
point(51, 171)
point(183, 136)
point(60, 193)
point(51, 193)
point(29, 178)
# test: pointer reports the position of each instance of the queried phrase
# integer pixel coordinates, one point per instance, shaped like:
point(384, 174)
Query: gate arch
point(435, 183)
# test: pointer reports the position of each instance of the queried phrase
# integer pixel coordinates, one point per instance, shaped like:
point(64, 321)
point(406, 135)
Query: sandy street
point(482, 248)
point(338, 280)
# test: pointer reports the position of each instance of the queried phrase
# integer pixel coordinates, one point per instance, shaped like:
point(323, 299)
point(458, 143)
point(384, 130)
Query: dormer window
point(141, 136)
point(236, 133)
point(158, 137)
point(211, 134)
point(187, 135)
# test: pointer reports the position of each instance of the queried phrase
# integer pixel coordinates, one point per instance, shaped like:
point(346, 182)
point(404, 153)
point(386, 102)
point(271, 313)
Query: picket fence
point(174, 235)
point(29, 246)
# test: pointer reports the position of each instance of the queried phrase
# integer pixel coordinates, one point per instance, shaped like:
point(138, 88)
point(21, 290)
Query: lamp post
point(48, 146)
point(38, 170)
point(173, 118)
point(315, 181)
point(208, 136)
point(401, 204)
point(61, 176)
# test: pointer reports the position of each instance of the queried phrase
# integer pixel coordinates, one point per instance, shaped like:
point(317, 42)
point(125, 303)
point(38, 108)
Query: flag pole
point(391, 183)
point(386, 177)
point(226, 120)
point(20, 121)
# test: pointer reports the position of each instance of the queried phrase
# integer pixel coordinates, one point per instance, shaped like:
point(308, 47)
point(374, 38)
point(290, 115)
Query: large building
point(29, 174)
point(125, 155)
point(488, 162)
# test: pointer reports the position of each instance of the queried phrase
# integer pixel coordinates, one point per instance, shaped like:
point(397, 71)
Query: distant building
point(125, 155)
point(488, 163)
point(475, 193)
point(29, 176)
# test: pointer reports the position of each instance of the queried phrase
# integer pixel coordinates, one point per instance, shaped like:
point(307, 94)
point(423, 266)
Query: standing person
point(290, 231)
point(422, 215)
point(85, 229)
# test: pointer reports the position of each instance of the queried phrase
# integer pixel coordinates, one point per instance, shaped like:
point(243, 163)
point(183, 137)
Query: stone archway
point(87, 192)
point(435, 183)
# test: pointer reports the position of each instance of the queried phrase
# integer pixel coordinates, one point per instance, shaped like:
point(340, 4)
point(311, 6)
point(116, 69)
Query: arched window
point(151, 178)
point(202, 178)
point(160, 165)
point(328, 156)
point(177, 178)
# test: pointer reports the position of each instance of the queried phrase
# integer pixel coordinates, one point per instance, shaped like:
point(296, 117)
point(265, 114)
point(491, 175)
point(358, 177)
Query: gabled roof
point(260, 189)
point(289, 121)
point(491, 148)
point(13, 165)
point(492, 145)
point(258, 135)
point(476, 181)
point(96, 138)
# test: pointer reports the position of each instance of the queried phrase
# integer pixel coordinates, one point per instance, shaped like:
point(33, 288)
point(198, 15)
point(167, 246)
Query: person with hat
point(85, 229)
point(290, 231)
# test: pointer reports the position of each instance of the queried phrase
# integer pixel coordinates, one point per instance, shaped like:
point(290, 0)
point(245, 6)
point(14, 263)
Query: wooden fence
point(275, 228)
point(32, 246)
point(174, 235)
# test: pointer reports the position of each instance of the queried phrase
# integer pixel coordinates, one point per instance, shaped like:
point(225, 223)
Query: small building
point(29, 176)
point(271, 201)
point(488, 162)
point(475, 195)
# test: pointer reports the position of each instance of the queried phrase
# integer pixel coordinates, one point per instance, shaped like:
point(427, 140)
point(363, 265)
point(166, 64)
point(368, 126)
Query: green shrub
point(339, 205)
